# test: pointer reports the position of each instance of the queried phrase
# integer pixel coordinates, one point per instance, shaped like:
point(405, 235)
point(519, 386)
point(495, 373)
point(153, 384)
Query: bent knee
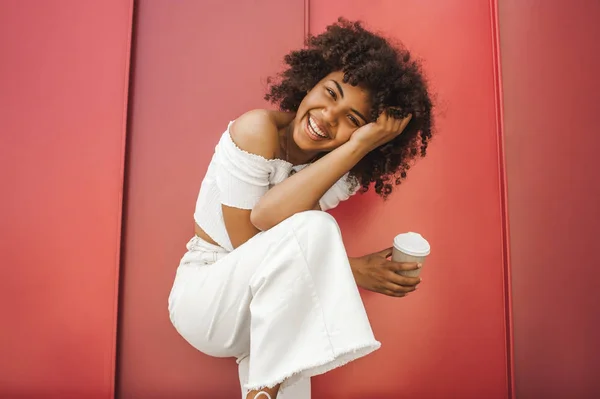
point(314, 217)
point(314, 220)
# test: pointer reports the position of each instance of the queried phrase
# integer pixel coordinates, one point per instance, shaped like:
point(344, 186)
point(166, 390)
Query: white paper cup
point(410, 248)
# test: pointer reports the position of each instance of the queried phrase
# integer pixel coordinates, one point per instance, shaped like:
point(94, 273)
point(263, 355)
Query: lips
point(315, 130)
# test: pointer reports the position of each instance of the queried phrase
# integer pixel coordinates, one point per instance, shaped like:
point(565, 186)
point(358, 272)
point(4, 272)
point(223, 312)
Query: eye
point(331, 93)
point(354, 120)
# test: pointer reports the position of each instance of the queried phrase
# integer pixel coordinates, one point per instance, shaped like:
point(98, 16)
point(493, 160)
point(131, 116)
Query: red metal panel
point(550, 64)
point(197, 65)
point(63, 92)
point(449, 338)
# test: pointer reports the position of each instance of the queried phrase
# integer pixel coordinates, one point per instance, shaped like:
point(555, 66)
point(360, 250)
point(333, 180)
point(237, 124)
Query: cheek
point(343, 134)
point(314, 99)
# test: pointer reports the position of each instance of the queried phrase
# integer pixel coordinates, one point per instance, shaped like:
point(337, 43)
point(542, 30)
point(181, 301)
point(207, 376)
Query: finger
point(394, 112)
point(397, 126)
point(400, 124)
point(393, 124)
point(385, 253)
point(405, 266)
point(398, 289)
point(405, 122)
point(404, 281)
point(389, 115)
point(393, 293)
point(383, 118)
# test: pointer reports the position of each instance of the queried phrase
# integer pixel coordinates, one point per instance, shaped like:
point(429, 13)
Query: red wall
point(550, 64)
point(63, 91)
point(449, 338)
point(199, 66)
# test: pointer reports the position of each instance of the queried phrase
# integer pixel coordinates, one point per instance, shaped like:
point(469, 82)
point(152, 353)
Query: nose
point(330, 116)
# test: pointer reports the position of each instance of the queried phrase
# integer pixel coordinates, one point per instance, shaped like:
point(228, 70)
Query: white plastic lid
point(412, 244)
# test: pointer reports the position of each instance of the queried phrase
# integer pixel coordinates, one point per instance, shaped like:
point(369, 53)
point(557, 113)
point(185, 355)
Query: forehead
point(359, 96)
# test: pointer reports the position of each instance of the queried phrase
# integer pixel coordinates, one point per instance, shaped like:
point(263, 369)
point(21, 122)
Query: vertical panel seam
point(121, 195)
point(306, 19)
point(503, 188)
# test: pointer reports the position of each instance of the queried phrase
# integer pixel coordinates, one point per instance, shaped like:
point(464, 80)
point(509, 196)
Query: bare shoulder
point(256, 132)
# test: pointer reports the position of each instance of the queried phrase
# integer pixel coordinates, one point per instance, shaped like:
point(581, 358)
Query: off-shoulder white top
point(238, 179)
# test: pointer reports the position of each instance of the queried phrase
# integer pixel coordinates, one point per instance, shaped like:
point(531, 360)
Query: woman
point(266, 278)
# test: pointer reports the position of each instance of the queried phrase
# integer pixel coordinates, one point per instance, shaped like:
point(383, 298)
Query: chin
point(302, 141)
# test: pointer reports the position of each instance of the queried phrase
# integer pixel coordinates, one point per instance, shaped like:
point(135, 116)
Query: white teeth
point(315, 128)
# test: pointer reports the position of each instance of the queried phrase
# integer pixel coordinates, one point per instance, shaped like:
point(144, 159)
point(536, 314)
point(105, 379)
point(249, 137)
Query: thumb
point(385, 252)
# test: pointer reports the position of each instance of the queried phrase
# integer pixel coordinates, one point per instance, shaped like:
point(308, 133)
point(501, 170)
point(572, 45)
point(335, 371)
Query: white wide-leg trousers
point(285, 304)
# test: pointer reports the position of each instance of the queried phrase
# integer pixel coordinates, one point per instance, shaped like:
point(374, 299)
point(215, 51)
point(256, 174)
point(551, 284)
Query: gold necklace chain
point(287, 135)
point(287, 149)
point(287, 144)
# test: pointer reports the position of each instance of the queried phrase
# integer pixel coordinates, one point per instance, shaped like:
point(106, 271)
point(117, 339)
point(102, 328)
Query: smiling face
point(329, 114)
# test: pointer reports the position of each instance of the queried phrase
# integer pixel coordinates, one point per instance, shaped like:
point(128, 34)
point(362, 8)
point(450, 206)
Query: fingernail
point(419, 265)
point(420, 280)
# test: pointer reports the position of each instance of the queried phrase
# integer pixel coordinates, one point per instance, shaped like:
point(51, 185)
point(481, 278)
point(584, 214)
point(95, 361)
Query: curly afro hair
point(393, 79)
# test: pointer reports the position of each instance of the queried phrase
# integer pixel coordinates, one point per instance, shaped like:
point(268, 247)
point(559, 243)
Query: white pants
point(285, 304)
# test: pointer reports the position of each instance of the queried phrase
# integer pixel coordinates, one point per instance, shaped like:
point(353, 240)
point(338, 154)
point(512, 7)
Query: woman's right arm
point(302, 191)
point(255, 132)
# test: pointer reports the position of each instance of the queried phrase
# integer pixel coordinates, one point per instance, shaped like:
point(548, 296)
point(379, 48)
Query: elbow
point(260, 218)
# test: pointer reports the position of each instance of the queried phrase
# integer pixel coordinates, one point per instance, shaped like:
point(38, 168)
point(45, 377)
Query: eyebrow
point(339, 87)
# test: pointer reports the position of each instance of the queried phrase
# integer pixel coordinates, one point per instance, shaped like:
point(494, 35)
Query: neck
point(290, 150)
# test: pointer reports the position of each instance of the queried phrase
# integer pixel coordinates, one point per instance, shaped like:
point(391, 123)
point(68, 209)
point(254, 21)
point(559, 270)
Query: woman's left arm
point(376, 272)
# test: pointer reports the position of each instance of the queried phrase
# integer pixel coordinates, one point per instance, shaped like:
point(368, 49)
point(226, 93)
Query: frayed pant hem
point(320, 367)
